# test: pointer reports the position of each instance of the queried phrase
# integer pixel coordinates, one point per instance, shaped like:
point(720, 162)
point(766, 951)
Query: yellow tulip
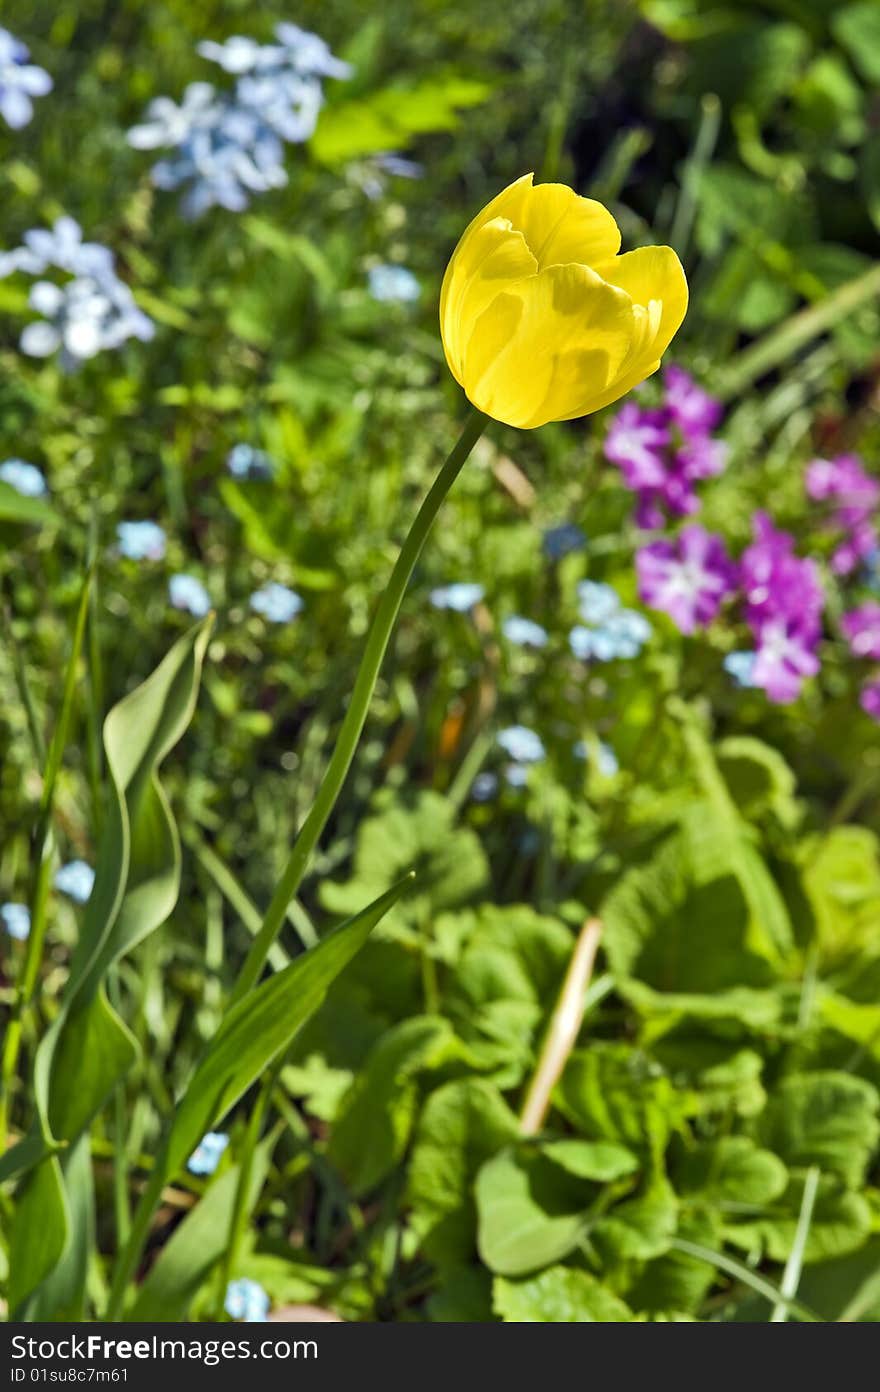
point(541, 319)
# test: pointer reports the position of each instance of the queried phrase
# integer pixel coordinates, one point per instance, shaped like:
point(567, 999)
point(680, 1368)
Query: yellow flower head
point(541, 320)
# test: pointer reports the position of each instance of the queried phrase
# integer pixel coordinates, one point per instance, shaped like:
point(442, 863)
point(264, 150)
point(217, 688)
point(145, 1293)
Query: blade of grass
point(697, 161)
point(792, 1274)
point(744, 1274)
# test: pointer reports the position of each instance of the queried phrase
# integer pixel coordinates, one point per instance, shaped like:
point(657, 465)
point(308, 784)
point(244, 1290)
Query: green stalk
point(800, 328)
point(792, 1274)
point(239, 1208)
point(42, 863)
point(704, 146)
point(355, 717)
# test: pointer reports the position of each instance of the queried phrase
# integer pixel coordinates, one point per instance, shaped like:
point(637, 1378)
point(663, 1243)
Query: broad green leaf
point(462, 1124)
point(731, 1171)
point(857, 29)
point(639, 1228)
point(376, 1117)
point(530, 1213)
point(857, 1021)
point(15, 507)
point(261, 1026)
point(40, 1227)
point(559, 1295)
point(674, 1282)
point(389, 119)
point(196, 1245)
point(826, 1119)
point(464, 1298)
point(616, 1094)
point(842, 883)
point(758, 779)
point(601, 1161)
point(845, 1288)
point(449, 861)
point(841, 1222)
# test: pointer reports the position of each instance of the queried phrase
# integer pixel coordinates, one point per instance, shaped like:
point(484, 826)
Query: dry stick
point(564, 1029)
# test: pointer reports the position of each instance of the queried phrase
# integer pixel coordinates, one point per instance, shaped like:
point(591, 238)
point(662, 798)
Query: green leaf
point(601, 1161)
point(675, 1282)
point(845, 1288)
point(261, 1027)
point(186, 1259)
point(530, 1214)
point(61, 1296)
point(841, 1222)
point(616, 1094)
point(463, 1124)
point(40, 1227)
point(376, 1117)
point(826, 1119)
point(559, 1295)
point(842, 883)
point(759, 780)
point(731, 1170)
point(857, 29)
point(15, 507)
point(449, 861)
point(639, 1228)
point(389, 119)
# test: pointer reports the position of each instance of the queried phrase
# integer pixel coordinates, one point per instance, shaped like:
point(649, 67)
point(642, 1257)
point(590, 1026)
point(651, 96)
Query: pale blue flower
point(76, 880)
point(16, 919)
point(524, 632)
point(19, 81)
point(60, 246)
point(517, 775)
point(246, 1301)
point(141, 541)
point(82, 318)
point(189, 594)
point(24, 478)
point(402, 168)
point(461, 596)
point(207, 1154)
point(562, 540)
point(741, 666)
point(522, 744)
point(245, 462)
point(276, 602)
point(606, 759)
point(484, 787)
point(596, 602)
point(393, 284)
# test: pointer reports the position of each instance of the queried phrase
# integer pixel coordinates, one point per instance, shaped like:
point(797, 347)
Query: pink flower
point(785, 657)
point(688, 578)
point(870, 699)
point(693, 410)
point(862, 629)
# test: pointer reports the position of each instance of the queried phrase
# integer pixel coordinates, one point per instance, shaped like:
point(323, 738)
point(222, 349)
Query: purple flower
point(870, 699)
point(785, 656)
point(635, 442)
point(776, 582)
point(862, 629)
point(693, 410)
point(854, 497)
point(688, 578)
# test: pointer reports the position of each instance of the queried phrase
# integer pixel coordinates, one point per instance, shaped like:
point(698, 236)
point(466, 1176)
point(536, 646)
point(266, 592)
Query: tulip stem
point(377, 643)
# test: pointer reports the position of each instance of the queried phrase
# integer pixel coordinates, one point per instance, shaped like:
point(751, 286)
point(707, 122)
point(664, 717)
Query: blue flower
point(82, 318)
point(189, 594)
point(245, 462)
point(741, 666)
point(276, 602)
point(461, 596)
point(76, 880)
point(596, 602)
point(608, 631)
point(206, 1156)
point(24, 478)
point(524, 632)
point(19, 81)
point(606, 759)
point(16, 919)
point(522, 744)
point(517, 775)
point(484, 787)
point(562, 540)
point(247, 1301)
point(393, 284)
point(61, 246)
point(141, 541)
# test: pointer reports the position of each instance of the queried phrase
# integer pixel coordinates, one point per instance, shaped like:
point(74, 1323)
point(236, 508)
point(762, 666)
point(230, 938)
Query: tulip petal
point(558, 225)
point(651, 274)
point(488, 259)
point(567, 321)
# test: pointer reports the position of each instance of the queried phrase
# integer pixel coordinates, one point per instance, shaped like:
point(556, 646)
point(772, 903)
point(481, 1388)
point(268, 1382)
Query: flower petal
point(487, 260)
